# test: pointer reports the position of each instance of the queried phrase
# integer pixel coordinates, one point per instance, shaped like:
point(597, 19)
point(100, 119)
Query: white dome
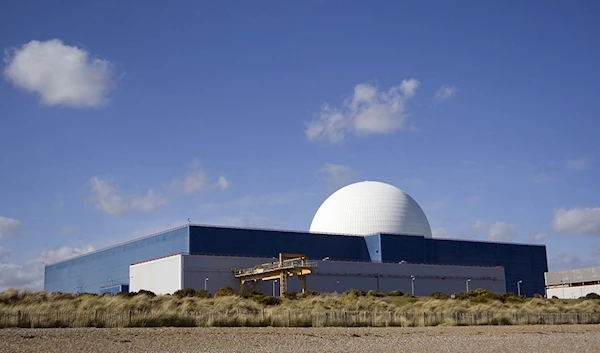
point(370, 207)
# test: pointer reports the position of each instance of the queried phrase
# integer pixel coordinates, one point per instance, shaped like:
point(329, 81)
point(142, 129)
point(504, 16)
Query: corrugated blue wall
point(521, 262)
point(403, 247)
point(268, 243)
point(90, 273)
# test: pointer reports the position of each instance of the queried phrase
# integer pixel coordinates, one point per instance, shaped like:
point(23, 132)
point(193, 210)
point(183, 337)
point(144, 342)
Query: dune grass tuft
point(354, 308)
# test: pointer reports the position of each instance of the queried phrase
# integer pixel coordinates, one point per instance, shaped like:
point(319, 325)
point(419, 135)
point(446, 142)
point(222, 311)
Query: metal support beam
point(288, 265)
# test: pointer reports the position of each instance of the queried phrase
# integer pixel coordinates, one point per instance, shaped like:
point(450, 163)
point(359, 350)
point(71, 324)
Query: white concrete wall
point(573, 276)
point(160, 276)
point(572, 292)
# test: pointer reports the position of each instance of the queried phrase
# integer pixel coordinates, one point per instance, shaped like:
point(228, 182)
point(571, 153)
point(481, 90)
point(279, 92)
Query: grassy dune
point(23, 308)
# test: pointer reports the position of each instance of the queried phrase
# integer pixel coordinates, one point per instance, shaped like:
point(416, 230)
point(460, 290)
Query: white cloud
point(445, 93)
point(336, 174)
point(567, 261)
point(577, 164)
point(223, 183)
point(480, 225)
point(501, 231)
point(541, 236)
point(151, 201)
point(498, 231)
point(368, 111)
point(195, 180)
point(64, 252)
point(442, 233)
point(577, 221)
point(59, 73)
point(30, 274)
point(10, 227)
point(108, 199)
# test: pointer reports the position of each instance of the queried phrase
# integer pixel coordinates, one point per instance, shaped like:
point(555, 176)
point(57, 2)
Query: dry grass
point(43, 309)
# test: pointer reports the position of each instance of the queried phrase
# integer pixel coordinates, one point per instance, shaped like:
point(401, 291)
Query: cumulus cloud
point(584, 221)
point(108, 199)
point(30, 274)
point(577, 164)
point(62, 253)
point(197, 179)
point(336, 174)
point(445, 93)
point(368, 111)
point(10, 227)
point(60, 74)
point(498, 231)
point(223, 183)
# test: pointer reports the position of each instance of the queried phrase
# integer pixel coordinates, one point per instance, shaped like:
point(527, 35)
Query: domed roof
point(370, 207)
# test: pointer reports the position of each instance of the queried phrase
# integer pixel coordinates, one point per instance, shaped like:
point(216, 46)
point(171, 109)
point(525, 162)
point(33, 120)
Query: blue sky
point(124, 118)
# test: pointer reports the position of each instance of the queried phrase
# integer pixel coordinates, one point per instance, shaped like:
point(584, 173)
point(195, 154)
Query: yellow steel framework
point(287, 266)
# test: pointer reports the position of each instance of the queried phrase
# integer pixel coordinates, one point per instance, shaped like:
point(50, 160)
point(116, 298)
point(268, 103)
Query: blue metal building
point(107, 270)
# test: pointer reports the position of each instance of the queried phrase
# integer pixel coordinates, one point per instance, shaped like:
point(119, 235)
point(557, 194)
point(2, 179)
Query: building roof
point(370, 207)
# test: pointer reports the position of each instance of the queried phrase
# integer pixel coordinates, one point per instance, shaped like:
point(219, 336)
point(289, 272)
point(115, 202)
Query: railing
point(274, 266)
point(267, 317)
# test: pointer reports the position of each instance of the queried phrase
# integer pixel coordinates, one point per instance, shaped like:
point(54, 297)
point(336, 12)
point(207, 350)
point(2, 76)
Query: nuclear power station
point(367, 236)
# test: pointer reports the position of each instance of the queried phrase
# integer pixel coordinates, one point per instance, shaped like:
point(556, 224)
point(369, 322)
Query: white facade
point(172, 273)
point(572, 284)
point(370, 207)
point(160, 276)
point(568, 292)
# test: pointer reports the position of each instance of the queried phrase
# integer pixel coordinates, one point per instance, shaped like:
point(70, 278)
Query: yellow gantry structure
point(288, 265)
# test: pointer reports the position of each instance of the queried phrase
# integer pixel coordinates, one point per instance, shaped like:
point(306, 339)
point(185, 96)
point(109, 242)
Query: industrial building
point(572, 284)
point(367, 235)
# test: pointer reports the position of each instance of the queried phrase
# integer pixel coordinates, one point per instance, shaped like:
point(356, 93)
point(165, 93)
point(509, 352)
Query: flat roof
point(273, 230)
